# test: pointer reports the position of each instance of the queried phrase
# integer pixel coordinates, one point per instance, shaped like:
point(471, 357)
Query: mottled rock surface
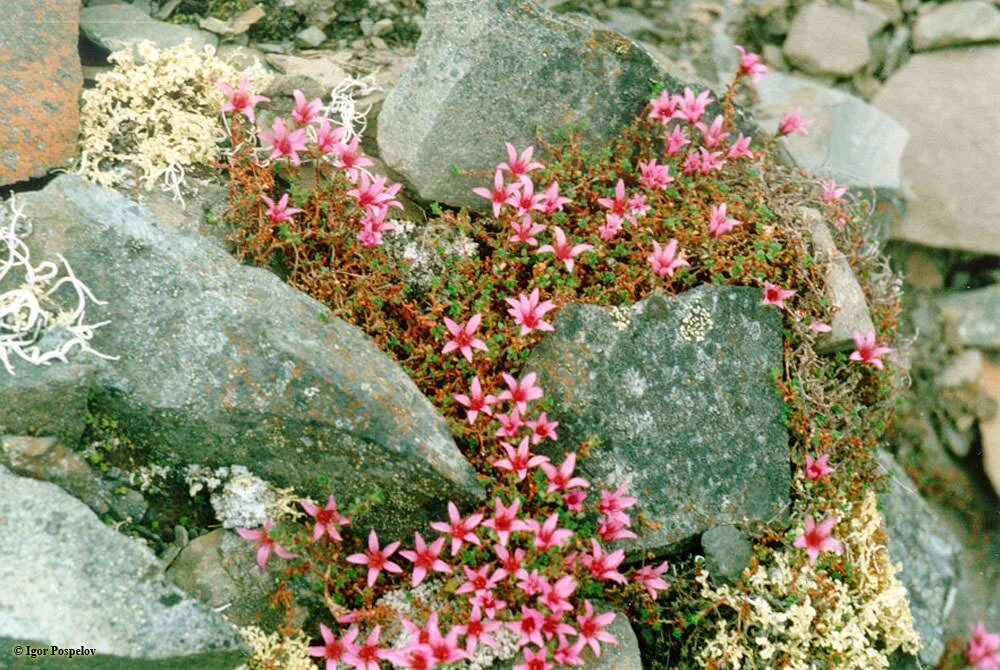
point(826, 39)
point(67, 579)
point(975, 313)
point(956, 23)
point(680, 391)
point(223, 364)
point(727, 552)
point(119, 26)
point(40, 89)
point(47, 399)
point(490, 71)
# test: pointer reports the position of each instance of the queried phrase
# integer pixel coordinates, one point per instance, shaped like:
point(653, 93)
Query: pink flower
point(868, 350)
point(690, 107)
point(240, 100)
point(462, 337)
point(718, 223)
point(618, 204)
point(816, 538)
point(710, 161)
point(265, 543)
point(713, 134)
point(556, 596)
point(665, 260)
point(458, 528)
point(521, 391)
point(525, 230)
point(510, 425)
point(818, 468)
point(425, 558)
point(525, 200)
point(500, 195)
point(327, 519)
point(373, 224)
point(653, 175)
point(562, 479)
point(283, 143)
point(692, 163)
point(831, 192)
point(983, 652)
point(775, 295)
point(565, 653)
point(750, 64)
point(792, 122)
point(505, 521)
point(820, 327)
point(477, 402)
point(373, 195)
point(574, 500)
point(548, 535)
point(591, 629)
point(675, 141)
point(531, 583)
point(411, 657)
point(542, 428)
point(327, 138)
point(552, 201)
point(349, 157)
point(614, 527)
point(510, 563)
point(612, 226)
point(553, 625)
point(488, 602)
point(477, 580)
point(518, 166)
point(615, 502)
point(604, 567)
point(740, 148)
point(376, 558)
point(535, 660)
point(650, 578)
point(444, 648)
point(528, 312)
point(477, 630)
point(662, 108)
point(637, 206)
point(367, 655)
point(305, 112)
point(563, 249)
point(519, 460)
point(529, 627)
point(279, 212)
point(333, 650)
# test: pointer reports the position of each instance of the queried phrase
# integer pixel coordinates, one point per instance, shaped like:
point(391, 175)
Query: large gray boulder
point(223, 364)
point(119, 26)
point(681, 394)
point(490, 71)
point(975, 315)
point(828, 40)
point(956, 23)
point(68, 580)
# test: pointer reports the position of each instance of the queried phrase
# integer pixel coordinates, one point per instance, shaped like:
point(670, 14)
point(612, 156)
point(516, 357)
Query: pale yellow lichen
point(273, 651)
point(793, 614)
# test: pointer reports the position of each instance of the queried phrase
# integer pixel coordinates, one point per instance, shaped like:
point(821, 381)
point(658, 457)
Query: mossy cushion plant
point(679, 199)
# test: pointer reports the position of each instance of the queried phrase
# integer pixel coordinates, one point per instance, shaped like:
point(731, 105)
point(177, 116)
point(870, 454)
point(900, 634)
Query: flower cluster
point(983, 652)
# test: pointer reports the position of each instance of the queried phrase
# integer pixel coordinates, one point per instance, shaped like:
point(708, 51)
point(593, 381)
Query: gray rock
point(827, 40)
point(310, 37)
point(117, 27)
point(45, 459)
point(956, 23)
point(66, 579)
point(890, 8)
point(382, 27)
point(727, 552)
point(849, 140)
point(962, 370)
point(873, 16)
point(489, 71)
point(976, 313)
point(223, 364)
point(847, 299)
point(953, 145)
point(680, 393)
point(928, 553)
point(46, 399)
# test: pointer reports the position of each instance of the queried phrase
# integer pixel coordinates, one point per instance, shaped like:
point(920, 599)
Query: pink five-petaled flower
point(561, 478)
point(617, 204)
point(615, 502)
point(283, 143)
point(528, 627)
point(662, 108)
point(373, 224)
point(501, 193)
point(818, 468)
point(775, 295)
point(505, 521)
point(565, 653)
point(327, 518)
point(476, 402)
point(279, 212)
point(462, 337)
point(528, 312)
point(674, 141)
point(240, 100)
point(542, 428)
point(653, 175)
point(376, 558)
point(637, 205)
point(519, 460)
point(792, 122)
point(477, 580)
point(373, 195)
point(333, 650)
point(535, 660)
point(367, 655)
point(740, 148)
point(665, 260)
point(477, 630)
point(718, 223)
point(327, 138)
point(604, 567)
point(713, 134)
point(524, 200)
point(650, 578)
point(552, 201)
point(444, 648)
point(612, 226)
point(510, 424)
point(525, 230)
point(614, 527)
point(983, 652)
point(489, 602)
point(510, 562)
point(574, 500)
point(425, 558)
point(521, 391)
point(265, 543)
point(750, 64)
point(563, 249)
point(554, 625)
point(548, 534)
point(868, 350)
point(691, 107)
point(305, 112)
point(349, 157)
point(518, 166)
point(531, 583)
point(816, 538)
point(831, 191)
point(458, 528)
point(591, 629)
point(710, 161)
point(556, 596)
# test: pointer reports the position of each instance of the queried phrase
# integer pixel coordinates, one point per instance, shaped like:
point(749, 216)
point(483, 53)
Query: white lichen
point(239, 498)
point(275, 650)
point(696, 323)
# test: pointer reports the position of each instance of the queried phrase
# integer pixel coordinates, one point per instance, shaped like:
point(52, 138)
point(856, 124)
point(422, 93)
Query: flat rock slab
point(223, 364)
point(827, 39)
point(954, 147)
point(120, 26)
point(975, 313)
point(40, 89)
point(956, 23)
point(681, 394)
point(490, 71)
point(45, 400)
point(66, 579)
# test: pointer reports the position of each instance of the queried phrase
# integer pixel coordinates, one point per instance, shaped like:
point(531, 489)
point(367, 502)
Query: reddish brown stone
point(40, 86)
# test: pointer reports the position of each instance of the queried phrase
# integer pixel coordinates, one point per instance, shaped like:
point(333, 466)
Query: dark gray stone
point(66, 579)
point(46, 399)
point(727, 552)
point(681, 393)
point(223, 364)
point(44, 458)
point(929, 555)
point(116, 27)
point(489, 71)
